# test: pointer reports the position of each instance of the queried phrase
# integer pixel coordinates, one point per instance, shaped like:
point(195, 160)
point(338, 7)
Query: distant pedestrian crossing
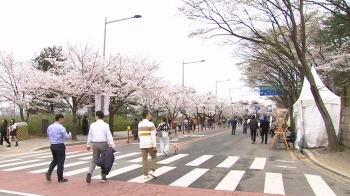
point(181, 170)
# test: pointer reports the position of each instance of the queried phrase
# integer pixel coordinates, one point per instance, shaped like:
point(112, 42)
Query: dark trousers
point(253, 134)
point(85, 130)
point(264, 133)
point(4, 137)
point(59, 155)
point(233, 130)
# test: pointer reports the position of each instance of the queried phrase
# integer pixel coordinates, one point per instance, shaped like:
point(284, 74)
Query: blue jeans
point(164, 142)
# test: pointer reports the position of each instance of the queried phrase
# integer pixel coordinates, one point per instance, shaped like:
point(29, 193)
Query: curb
point(317, 162)
point(76, 143)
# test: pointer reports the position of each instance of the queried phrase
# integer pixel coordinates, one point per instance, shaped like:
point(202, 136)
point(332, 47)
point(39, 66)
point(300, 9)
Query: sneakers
point(145, 177)
point(152, 173)
point(48, 176)
point(88, 178)
point(104, 179)
point(63, 180)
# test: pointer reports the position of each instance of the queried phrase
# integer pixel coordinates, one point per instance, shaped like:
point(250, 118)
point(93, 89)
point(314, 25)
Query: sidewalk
point(43, 143)
point(335, 162)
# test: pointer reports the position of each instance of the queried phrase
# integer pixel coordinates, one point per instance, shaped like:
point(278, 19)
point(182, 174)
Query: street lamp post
point(216, 86)
point(104, 47)
point(183, 85)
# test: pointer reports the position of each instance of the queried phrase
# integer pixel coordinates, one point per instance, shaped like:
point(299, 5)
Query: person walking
point(148, 143)
point(13, 132)
point(253, 126)
point(101, 138)
point(4, 132)
point(57, 134)
point(164, 134)
point(134, 128)
point(233, 125)
point(85, 125)
point(264, 127)
point(245, 126)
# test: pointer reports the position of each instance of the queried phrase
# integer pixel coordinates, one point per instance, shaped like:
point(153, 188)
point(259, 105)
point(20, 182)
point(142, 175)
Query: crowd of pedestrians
point(8, 132)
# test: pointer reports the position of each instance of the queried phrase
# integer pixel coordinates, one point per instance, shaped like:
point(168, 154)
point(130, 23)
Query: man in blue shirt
point(57, 134)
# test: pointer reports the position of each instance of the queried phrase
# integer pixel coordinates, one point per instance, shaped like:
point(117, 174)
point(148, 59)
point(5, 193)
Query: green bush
point(35, 122)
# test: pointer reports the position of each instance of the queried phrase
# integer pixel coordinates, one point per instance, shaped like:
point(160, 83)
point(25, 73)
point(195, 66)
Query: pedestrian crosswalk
point(181, 170)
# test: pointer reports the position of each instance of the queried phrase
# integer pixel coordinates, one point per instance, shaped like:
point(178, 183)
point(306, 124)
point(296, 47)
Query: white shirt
point(147, 134)
point(99, 132)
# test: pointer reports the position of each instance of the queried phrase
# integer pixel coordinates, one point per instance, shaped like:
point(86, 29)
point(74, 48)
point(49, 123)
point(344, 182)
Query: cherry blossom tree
point(16, 82)
point(74, 79)
point(125, 77)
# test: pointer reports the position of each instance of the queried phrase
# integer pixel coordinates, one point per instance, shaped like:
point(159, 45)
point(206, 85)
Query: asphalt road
point(210, 159)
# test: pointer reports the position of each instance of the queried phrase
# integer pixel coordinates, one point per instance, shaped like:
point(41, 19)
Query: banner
point(105, 105)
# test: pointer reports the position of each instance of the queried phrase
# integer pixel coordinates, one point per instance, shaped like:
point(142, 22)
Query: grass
point(35, 122)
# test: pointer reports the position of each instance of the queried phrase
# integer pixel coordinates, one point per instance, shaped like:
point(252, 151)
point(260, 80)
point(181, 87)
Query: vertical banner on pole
point(106, 104)
point(97, 102)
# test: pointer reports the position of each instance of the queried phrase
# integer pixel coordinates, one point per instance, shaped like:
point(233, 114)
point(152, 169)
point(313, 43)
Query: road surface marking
point(9, 160)
point(319, 186)
point(284, 161)
point(27, 166)
point(27, 153)
point(160, 171)
point(228, 162)
point(119, 171)
point(172, 159)
point(19, 163)
point(138, 160)
point(316, 152)
point(34, 155)
point(77, 171)
point(78, 155)
point(48, 156)
point(65, 166)
point(259, 163)
point(189, 178)
point(199, 160)
point(230, 181)
point(274, 183)
point(18, 193)
point(127, 155)
point(285, 166)
point(90, 157)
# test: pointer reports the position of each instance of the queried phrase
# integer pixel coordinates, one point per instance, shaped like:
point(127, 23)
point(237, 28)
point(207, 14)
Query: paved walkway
point(335, 162)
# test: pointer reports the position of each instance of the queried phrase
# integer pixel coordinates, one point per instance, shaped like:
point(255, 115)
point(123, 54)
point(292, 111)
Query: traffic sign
point(270, 90)
point(257, 107)
point(217, 107)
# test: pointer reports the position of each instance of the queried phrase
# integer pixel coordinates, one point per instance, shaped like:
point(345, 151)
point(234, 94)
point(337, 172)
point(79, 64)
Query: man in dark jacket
point(234, 125)
point(264, 126)
point(253, 125)
point(106, 160)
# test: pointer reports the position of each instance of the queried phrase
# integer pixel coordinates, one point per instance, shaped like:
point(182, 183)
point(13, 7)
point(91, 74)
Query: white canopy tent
point(309, 122)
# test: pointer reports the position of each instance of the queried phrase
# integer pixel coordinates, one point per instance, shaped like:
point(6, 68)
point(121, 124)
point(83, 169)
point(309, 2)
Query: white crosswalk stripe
point(120, 171)
point(127, 155)
point(189, 178)
point(138, 160)
point(27, 166)
point(77, 171)
point(199, 160)
point(259, 163)
point(90, 156)
point(172, 159)
point(34, 155)
point(160, 171)
point(230, 181)
point(24, 154)
point(11, 160)
point(50, 155)
point(319, 186)
point(228, 162)
point(274, 183)
point(65, 166)
point(19, 163)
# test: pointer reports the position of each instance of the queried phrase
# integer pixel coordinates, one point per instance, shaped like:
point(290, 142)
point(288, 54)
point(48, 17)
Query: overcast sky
point(161, 34)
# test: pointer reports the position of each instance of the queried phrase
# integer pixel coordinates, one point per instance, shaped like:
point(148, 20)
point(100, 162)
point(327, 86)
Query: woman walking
point(13, 132)
point(4, 132)
point(164, 132)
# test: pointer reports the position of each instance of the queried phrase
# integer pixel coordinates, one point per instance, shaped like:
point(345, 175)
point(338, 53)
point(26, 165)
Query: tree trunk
point(111, 121)
point(74, 111)
point(333, 144)
point(21, 113)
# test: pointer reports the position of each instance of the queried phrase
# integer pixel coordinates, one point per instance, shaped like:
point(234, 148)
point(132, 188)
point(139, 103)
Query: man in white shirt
point(101, 137)
point(148, 143)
